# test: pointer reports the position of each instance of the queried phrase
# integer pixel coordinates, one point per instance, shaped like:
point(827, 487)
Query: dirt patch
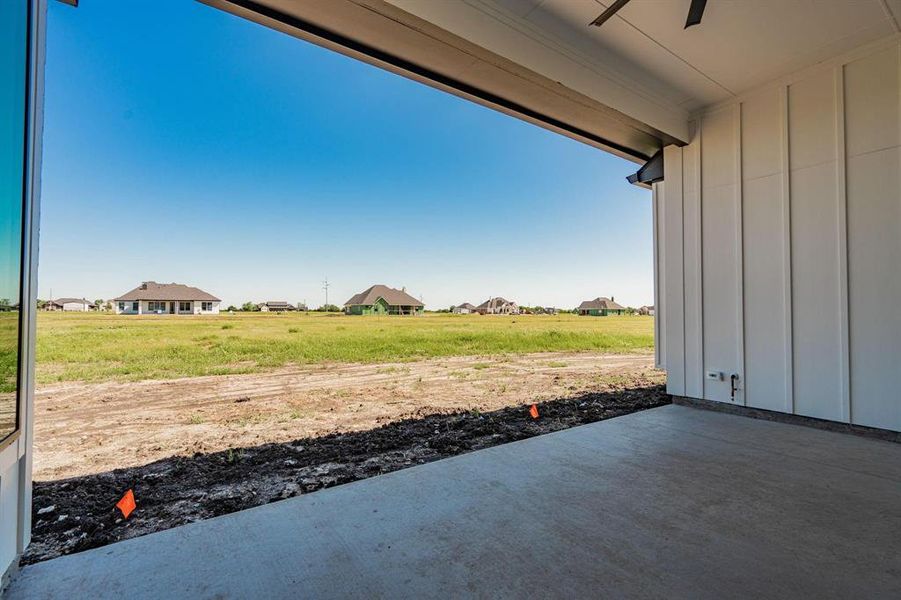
point(82, 429)
point(78, 513)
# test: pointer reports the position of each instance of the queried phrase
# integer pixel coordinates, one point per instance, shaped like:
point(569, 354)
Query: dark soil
point(71, 515)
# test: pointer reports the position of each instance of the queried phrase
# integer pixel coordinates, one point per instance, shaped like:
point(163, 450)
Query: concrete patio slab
point(673, 502)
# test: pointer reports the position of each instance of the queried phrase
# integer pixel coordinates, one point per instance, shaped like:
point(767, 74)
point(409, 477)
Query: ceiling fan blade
point(609, 12)
point(695, 12)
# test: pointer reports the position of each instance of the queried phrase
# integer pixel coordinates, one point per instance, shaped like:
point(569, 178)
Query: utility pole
point(325, 286)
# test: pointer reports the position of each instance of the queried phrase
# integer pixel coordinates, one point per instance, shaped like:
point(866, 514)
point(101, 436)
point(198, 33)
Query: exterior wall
point(276, 308)
point(126, 310)
point(506, 309)
point(267, 308)
point(781, 234)
point(144, 308)
point(76, 306)
point(369, 309)
point(600, 312)
point(380, 308)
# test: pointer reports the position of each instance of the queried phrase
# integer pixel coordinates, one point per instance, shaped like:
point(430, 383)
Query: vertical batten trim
point(739, 256)
point(700, 188)
point(656, 275)
point(842, 194)
point(682, 264)
point(787, 254)
point(699, 285)
point(657, 308)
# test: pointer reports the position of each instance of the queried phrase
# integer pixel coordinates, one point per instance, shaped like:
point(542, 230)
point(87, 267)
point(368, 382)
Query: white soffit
point(561, 50)
point(739, 45)
point(662, 68)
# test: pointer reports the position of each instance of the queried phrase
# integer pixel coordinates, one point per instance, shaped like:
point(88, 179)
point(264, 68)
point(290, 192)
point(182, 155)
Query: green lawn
point(98, 347)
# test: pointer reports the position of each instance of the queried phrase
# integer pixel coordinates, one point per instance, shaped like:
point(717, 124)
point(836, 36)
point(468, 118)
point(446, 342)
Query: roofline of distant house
point(61, 301)
point(152, 299)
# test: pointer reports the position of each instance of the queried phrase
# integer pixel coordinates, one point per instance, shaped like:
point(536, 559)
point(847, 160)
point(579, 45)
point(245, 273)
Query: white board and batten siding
point(779, 245)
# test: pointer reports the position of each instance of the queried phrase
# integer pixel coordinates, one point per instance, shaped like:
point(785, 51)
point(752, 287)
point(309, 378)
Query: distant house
point(463, 309)
point(152, 298)
point(275, 306)
point(601, 307)
point(70, 305)
point(497, 306)
point(383, 300)
point(646, 310)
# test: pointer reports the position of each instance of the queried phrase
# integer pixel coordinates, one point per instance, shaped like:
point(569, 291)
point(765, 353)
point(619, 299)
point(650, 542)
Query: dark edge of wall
point(8, 575)
point(778, 417)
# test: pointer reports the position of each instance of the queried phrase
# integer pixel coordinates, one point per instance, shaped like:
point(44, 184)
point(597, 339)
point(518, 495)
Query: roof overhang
point(631, 86)
point(390, 37)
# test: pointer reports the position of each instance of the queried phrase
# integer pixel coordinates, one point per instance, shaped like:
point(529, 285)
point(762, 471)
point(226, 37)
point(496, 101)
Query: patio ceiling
point(738, 45)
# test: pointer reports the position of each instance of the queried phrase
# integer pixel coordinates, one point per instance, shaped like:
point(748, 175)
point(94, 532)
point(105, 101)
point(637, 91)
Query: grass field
point(99, 347)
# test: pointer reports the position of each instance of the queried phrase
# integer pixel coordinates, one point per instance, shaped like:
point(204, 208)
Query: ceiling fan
point(695, 12)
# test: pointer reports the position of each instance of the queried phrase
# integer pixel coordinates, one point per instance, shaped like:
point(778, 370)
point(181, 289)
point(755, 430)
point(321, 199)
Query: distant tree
point(99, 304)
point(329, 308)
point(249, 307)
point(231, 308)
point(41, 303)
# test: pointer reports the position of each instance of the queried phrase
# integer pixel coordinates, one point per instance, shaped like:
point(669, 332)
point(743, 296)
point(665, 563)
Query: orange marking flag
point(534, 411)
point(127, 503)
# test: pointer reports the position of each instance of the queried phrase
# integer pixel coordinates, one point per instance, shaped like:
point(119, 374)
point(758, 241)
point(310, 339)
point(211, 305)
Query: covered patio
point(670, 502)
point(770, 135)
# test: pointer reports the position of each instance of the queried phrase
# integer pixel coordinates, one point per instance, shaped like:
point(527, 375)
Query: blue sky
point(184, 144)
